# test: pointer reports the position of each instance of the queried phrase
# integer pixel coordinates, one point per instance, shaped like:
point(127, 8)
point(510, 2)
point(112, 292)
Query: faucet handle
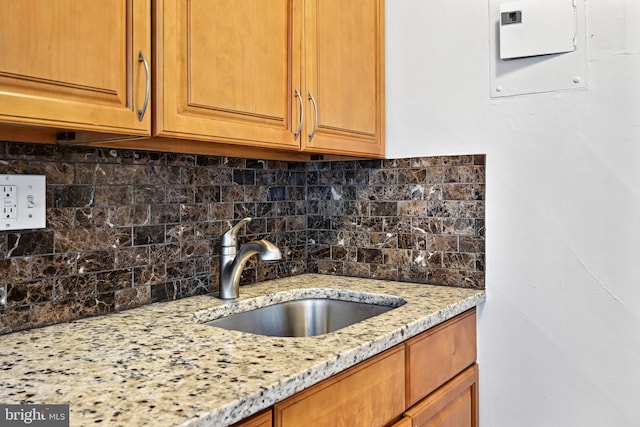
point(230, 238)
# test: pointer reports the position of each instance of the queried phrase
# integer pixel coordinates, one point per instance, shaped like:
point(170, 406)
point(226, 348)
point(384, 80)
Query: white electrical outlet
point(23, 202)
point(10, 202)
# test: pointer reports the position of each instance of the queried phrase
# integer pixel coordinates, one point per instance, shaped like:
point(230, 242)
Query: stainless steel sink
point(301, 318)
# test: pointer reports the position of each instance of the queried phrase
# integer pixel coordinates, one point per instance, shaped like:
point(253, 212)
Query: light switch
point(23, 202)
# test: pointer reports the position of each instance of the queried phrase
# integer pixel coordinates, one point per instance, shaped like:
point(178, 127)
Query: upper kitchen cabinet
point(297, 75)
point(226, 71)
point(344, 74)
point(76, 64)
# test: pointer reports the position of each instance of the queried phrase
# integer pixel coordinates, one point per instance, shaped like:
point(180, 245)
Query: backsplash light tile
point(129, 228)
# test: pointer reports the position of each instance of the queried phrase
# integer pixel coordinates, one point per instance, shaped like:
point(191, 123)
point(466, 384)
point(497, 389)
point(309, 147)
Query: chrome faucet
point(232, 261)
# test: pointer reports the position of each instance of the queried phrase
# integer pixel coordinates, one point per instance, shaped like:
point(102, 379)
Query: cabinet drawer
point(453, 405)
point(439, 354)
point(367, 395)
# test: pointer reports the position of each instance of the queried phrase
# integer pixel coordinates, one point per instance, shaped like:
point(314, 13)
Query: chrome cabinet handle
point(315, 122)
point(142, 59)
point(297, 134)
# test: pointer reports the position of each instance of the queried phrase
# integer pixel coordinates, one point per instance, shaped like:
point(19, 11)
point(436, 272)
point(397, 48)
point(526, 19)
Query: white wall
point(559, 336)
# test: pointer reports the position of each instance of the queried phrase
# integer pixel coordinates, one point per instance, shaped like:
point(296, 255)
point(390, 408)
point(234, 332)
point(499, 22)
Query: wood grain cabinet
point(442, 377)
point(286, 74)
point(75, 64)
point(429, 380)
point(344, 77)
point(455, 404)
point(450, 346)
point(290, 76)
point(226, 69)
point(261, 419)
point(367, 395)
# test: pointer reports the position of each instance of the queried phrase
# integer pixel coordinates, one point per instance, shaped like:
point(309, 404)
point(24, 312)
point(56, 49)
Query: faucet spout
point(232, 261)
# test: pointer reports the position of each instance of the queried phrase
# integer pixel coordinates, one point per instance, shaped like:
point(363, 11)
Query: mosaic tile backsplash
point(418, 219)
point(129, 228)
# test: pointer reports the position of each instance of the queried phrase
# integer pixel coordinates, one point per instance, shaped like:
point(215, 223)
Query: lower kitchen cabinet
point(404, 422)
point(429, 380)
point(455, 404)
point(369, 394)
point(261, 419)
point(450, 346)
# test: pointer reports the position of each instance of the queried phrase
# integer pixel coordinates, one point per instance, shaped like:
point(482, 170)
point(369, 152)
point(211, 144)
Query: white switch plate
point(23, 202)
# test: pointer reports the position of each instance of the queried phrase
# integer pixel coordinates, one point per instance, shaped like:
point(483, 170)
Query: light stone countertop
point(156, 365)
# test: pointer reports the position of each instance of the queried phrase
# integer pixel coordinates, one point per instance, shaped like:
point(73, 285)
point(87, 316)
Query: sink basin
point(301, 318)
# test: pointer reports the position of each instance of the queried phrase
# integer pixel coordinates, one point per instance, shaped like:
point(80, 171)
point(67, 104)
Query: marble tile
point(14, 269)
point(207, 194)
point(95, 305)
point(132, 256)
point(178, 233)
point(149, 274)
point(27, 293)
point(90, 218)
point(74, 286)
point(16, 150)
point(149, 194)
point(86, 239)
point(177, 193)
point(160, 215)
point(94, 261)
point(28, 243)
point(146, 235)
point(15, 166)
point(15, 319)
point(113, 195)
point(425, 204)
point(60, 219)
point(114, 280)
point(165, 291)
point(54, 312)
point(111, 238)
point(73, 196)
point(51, 265)
point(57, 173)
point(3, 246)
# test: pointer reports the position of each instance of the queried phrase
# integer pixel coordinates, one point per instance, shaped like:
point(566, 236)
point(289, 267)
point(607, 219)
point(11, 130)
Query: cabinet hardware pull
point(315, 122)
point(142, 59)
point(297, 134)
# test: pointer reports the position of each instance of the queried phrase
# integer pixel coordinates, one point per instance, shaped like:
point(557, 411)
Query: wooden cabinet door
point(455, 404)
point(451, 346)
point(261, 419)
point(226, 71)
point(403, 422)
point(367, 395)
point(73, 64)
point(344, 71)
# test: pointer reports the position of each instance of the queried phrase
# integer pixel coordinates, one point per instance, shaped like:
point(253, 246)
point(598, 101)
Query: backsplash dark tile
point(417, 219)
point(127, 228)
